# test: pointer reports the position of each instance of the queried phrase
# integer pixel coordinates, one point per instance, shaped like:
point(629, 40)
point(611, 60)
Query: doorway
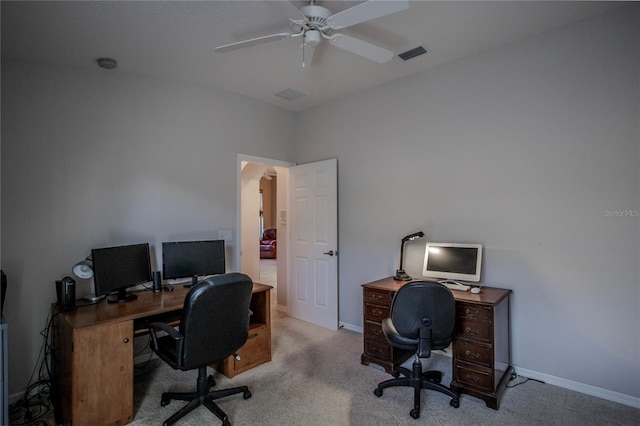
point(260, 210)
point(306, 220)
point(268, 231)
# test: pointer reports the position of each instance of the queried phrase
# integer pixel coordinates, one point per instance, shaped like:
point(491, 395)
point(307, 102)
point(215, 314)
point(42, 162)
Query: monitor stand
point(194, 281)
point(122, 297)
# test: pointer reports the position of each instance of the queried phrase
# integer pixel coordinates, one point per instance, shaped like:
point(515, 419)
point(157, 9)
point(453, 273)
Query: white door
point(313, 203)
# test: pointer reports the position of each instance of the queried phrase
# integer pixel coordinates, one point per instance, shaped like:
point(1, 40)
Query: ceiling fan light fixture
point(312, 38)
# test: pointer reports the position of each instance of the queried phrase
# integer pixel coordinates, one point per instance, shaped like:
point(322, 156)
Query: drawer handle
point(126, 340)
point(472, 355)
point(472, 379)
point(471, 331)
point(376, 332)
point(377, 312)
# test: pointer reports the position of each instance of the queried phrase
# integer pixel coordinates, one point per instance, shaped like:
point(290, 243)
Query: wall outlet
point(225, 235)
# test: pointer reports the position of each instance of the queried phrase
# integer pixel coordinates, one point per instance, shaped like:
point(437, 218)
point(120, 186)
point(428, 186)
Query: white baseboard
point(609, 395)
point(581, 387)
point(350, 327)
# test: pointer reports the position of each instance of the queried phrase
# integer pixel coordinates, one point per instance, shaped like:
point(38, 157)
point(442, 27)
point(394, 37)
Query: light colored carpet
point(269, 272)
point(316, 378)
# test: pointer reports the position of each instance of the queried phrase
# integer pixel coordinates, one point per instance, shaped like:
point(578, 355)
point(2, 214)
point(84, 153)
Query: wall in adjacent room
point(532, 150)
point(98, 158)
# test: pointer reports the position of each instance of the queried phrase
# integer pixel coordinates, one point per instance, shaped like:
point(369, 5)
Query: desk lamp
point(84, 270)
point(401, 275)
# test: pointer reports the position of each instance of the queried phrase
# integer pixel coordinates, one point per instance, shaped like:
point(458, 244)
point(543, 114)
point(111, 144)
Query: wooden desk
point(93, 375)
point(481, 357)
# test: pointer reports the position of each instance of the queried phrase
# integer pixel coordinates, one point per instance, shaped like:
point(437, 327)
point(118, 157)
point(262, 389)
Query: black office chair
point(422, 319)
point(214, 325)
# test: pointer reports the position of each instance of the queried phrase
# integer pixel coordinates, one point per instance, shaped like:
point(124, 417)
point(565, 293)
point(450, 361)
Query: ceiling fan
point(316, 23)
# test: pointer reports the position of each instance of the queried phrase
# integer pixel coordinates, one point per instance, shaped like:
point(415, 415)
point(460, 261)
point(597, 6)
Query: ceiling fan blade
point(253, 42)
point(361, 47)
point(299, 16)
point(365, 12)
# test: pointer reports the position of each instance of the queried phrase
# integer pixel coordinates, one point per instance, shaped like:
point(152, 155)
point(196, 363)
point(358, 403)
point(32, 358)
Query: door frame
point(237, 264)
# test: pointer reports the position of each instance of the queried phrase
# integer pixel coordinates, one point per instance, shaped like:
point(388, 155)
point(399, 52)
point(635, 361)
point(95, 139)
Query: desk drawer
point(477, 312)
point(375, 312)
point(473, 376)
point(377, 296)
point(473, 352)
point(376, 349)
point(474, 330)
point(373, 330)
point(255, 351)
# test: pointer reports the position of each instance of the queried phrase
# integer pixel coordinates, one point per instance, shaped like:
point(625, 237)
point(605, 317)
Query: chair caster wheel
point(164, 402)
point(246, 395)
point(414, 413)
point(212, 381)
point(377, 392)
point(226, 423)
point(454, 403)
point(395, 374)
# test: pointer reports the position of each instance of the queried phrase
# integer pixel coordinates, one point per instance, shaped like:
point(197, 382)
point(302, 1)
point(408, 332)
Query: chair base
point(418, 381)
point(202, 397)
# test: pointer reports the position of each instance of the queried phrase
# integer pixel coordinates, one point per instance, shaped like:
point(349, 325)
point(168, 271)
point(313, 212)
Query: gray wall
point(524, 149)
point(93, 159)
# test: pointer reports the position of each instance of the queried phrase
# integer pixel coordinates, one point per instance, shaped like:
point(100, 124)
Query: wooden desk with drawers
point(481, 357)
point(93, 363)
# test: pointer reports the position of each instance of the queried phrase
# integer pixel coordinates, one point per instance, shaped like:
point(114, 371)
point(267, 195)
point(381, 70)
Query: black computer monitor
point(118, 268)
point(183, 259)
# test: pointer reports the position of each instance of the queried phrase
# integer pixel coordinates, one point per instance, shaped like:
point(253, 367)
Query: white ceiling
point(176, 40)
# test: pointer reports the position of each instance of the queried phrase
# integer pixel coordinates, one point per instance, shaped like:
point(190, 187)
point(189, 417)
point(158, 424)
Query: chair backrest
point(418, 300)
point(215, 319)
point(269, 234)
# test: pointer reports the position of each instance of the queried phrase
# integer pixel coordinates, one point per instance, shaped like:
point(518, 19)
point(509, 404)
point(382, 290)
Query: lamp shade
point(83, 269)
point(401, 275)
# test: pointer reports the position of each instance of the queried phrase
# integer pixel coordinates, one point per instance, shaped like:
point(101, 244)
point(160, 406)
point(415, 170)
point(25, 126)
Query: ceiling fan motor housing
point(317, 15)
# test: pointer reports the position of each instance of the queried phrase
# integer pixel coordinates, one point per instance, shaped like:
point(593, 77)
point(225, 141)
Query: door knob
point(330, 252)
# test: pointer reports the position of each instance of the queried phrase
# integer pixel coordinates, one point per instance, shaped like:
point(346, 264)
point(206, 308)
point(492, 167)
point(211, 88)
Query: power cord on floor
point(36, 401)
point(515, 376)
point(147, 366)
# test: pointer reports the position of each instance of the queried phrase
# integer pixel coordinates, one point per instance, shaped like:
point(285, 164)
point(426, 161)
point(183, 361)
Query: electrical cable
point(515, 376)
point(36, 402)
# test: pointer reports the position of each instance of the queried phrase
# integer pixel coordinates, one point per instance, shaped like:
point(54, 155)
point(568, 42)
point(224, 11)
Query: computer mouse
point(475, 290)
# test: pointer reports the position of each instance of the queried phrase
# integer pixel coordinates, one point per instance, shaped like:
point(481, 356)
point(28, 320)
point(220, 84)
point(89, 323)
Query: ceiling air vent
point(413, 53)
point(289, 94)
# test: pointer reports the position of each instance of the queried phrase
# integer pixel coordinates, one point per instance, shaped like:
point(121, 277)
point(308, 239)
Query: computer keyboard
point(455, 285)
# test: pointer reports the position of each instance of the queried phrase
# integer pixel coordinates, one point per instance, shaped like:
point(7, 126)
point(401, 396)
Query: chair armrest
point(177, 337)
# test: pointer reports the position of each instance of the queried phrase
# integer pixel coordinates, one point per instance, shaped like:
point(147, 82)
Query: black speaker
point(157, 281)
point(66, 293)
